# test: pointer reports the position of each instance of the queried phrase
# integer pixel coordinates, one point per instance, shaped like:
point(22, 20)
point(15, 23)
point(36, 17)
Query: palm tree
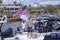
point(51, 9)
point(4, 9)
point(0, 7)
point(0, 2)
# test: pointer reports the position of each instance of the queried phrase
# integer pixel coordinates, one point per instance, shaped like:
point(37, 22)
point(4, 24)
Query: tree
point(4, 10)
point(51, 9)
point(19, 4)
point(0, 2)
point(29, 7)
point(1, 10)
point(0, 5)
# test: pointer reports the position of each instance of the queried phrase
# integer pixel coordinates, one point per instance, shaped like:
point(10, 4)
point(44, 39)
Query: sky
point(32, 2)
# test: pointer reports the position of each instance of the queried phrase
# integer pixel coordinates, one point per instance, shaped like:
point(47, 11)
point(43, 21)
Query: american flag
point(20, 10)
point(24, 12)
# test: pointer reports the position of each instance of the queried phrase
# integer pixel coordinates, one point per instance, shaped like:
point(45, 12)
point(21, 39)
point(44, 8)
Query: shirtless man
point(30, 22)
point(29, 27)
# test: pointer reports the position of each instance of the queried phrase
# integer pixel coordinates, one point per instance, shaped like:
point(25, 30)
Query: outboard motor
point(5, 32)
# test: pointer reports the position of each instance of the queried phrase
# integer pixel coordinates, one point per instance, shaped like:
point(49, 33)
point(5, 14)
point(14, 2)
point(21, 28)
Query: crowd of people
point(36, 26)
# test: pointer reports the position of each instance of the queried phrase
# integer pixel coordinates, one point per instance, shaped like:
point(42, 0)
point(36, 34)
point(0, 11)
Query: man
point(29, 28)
point(30, 22)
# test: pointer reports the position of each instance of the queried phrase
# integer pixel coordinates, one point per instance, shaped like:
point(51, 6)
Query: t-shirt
point(23, 25)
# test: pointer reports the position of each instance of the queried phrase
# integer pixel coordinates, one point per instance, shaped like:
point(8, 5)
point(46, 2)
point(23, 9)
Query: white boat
point(40, 36)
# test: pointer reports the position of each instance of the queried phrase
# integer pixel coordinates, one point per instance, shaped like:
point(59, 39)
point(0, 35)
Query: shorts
point(29, 29)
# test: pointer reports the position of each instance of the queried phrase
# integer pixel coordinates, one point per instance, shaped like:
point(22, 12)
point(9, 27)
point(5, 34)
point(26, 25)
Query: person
point(36, 28)
point(23, 26)
point(29, 27)
point(40, 25)
point(49, 26)
point(19, 29)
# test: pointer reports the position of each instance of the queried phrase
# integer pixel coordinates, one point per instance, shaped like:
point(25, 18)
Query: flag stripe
point(20, 10)
point(24, 12)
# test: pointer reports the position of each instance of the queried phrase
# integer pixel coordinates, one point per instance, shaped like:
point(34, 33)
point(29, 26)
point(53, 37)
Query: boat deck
point(25, 37)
